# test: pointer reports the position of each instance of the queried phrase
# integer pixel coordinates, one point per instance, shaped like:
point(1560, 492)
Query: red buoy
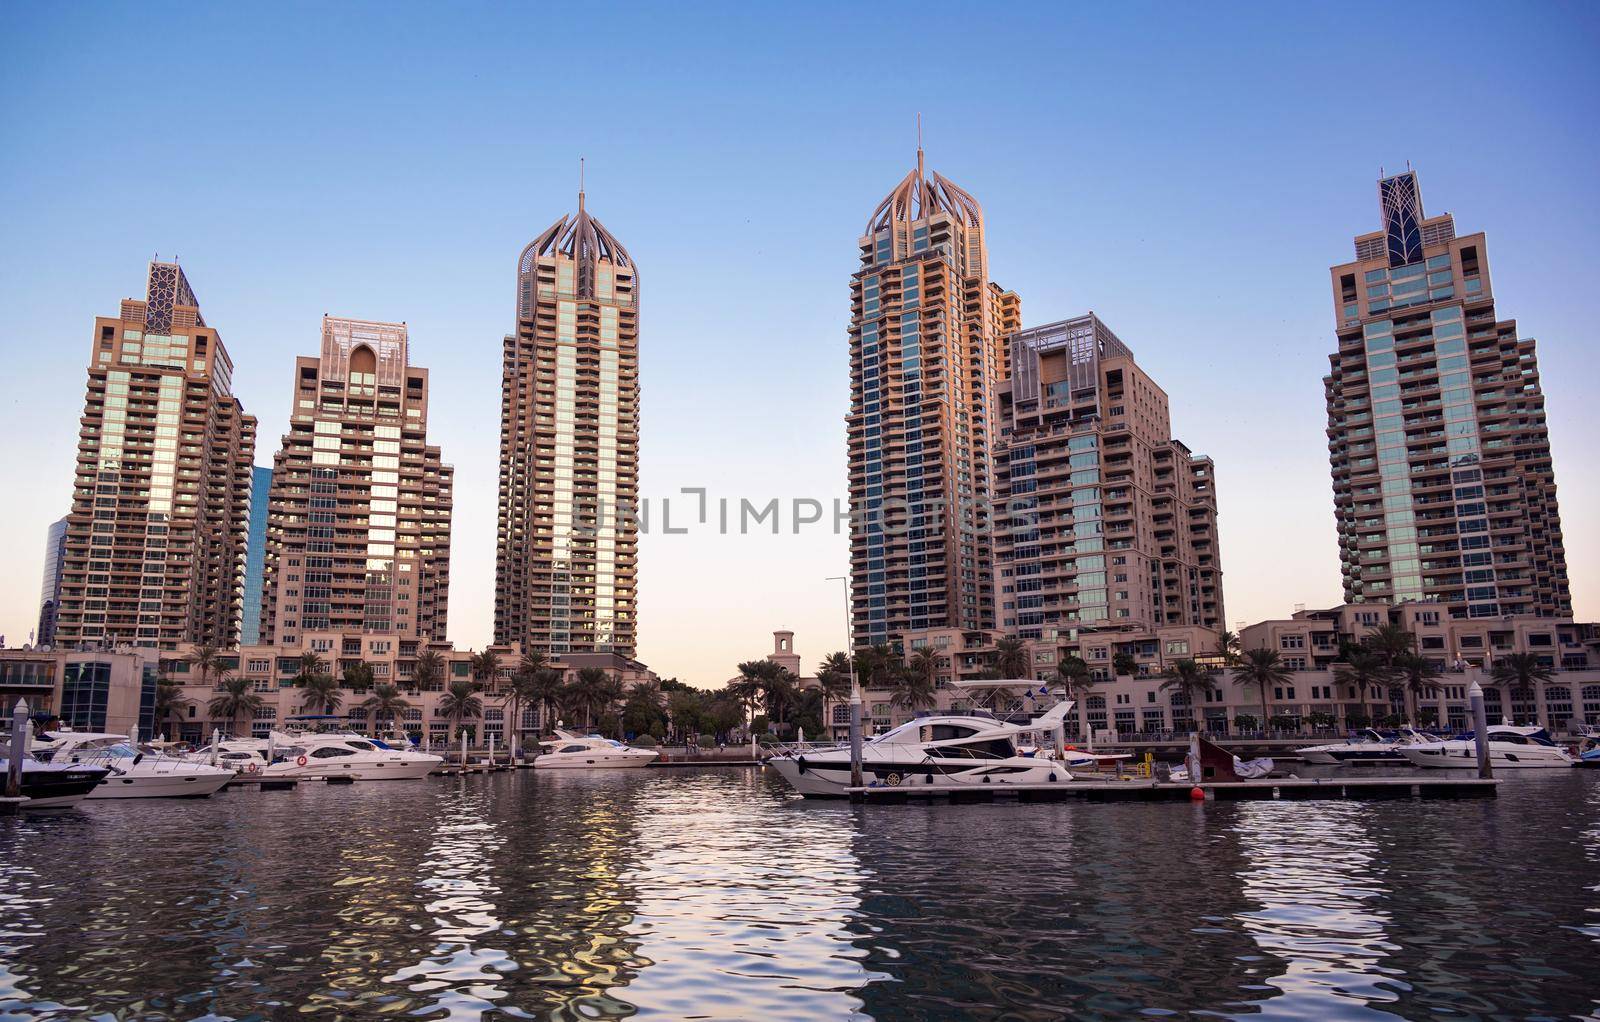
point(1196, 794)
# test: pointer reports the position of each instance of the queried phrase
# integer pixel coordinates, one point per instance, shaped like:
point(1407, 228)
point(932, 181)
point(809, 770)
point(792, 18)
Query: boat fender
point(800, 762)
point(1197, 794)
point(301, 761)
point(251, 768)
point(1052, 777)
point(985, 778)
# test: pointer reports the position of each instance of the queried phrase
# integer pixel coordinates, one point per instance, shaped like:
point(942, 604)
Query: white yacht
point(1368, 747)
point(317, 755)
point(940, 750)
point(133, 772)
point(569, 750)
point(1510, 748)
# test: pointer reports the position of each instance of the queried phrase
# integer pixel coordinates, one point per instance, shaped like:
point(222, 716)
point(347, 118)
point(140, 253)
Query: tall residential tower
point(358, 532)
point(156, 538)
point(926, 359)
point(1442, 480)
point(569, 446)
point(1111, 524)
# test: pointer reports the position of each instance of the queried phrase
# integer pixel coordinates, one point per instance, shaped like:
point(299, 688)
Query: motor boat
point(318, 755)
point(133, 772)
point(54, 785)
point(1367, 748)
point(938, 750)
point(569, 750)
point(1510, 747)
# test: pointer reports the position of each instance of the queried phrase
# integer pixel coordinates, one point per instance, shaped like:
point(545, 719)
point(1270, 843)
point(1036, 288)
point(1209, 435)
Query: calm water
point(676, 894)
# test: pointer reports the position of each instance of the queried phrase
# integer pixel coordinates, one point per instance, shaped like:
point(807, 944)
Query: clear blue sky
point(1188, 172)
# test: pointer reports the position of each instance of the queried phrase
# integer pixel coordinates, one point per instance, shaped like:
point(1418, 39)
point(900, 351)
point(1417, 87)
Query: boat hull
point(388, 770)
point(593, 761)
point(59, 789)
point(170, 784)
point(829, 777)
point(1464, 756)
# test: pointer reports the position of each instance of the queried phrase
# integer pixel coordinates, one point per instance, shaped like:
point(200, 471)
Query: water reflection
point(715, 894)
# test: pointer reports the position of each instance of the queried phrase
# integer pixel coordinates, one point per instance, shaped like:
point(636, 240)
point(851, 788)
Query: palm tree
point(779, 691)
point(545, 690)
point(1190, 681)
point(1263, 668)
point(386, 702)
point(1390, 642)
point(591, 691)
point(1520, 671)
point(1420, 679)
point(358, 677)
point(833, 675)
point(1124, 665)
point(170, 701)
point(311, 666)
point(207, 658)
point(236, 698)
point(1362, 668)
point(532, 662)
point(459, 703)
point(924, 665)
point(877, 665)
point(321, 694)
point(750, 685)
point(429, 670)
point(486, 669)
point(1011, 658)
point(916, 689)
point(1228, 647)
point(1075, 676)
point(522, 691)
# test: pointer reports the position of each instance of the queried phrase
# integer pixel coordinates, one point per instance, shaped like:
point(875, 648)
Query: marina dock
point(1288, 789)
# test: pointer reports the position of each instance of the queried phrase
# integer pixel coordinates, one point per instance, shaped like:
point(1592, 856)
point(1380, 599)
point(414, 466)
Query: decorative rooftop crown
point(581, 238)
point(918, 196)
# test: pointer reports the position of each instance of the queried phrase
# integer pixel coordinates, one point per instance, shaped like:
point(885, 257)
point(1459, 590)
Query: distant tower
point(926, 360)
point(358, 533)
point(255, 558)
point(156, 538)
point(569, 446)
point(1443, 484)
point(783, 653)
point(55, 552)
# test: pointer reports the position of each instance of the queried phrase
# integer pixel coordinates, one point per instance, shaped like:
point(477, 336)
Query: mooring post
point(19, 749)
point(1480, 729)
point(855, 730)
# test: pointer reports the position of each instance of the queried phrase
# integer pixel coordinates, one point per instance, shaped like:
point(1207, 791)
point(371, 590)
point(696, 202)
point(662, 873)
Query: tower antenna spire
point(580, 184)
point(919, 145)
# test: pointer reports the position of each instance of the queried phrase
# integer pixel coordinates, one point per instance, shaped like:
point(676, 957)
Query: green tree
point(207, 659)
point(917, 686)
point(1190, 681)
point(1124, 665)
point(320, 694)
point(1362, 669)
point(1074, 675)
point(428, 675)
point(309, 667)
point(545, 691)
point(1264, 669)
point(1420, 680)
point(1390, 642)
point(236, 698)
point(1228, 647)
point(170, 702)
point(521, 690)
point(459, 704)
point(486, 670)
point(833, 675)
point(1523, 672)
point(385, 703)
point(1011, 658)
point(686, 711)
point(642, 713)
point(591, 692)
point(750, 686)
point(358, 677)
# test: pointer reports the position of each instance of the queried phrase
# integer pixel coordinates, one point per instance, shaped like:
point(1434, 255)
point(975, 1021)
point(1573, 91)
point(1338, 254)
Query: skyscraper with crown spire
point(569, 446)
point(927, 354)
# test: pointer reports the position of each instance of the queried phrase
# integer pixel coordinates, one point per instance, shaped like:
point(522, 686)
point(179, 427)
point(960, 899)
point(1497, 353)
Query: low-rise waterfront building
point(90, 690)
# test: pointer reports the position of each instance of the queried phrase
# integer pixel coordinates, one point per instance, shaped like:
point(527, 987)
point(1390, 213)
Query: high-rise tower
point(1110, 523)
point(569, 446)
point(55, 555)
point(926, 358)
point(156, 539)
point(358, 533)
point(1442, 479)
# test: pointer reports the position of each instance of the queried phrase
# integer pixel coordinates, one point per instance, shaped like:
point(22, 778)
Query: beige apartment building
point(1443, 485)
point(358, 531)
point(567, 558)
point(89, 690)
point(1108, 523)
point(926, 360)
point(155, 543)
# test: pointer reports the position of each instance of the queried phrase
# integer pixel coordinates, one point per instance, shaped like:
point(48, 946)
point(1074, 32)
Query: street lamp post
point(855, 687)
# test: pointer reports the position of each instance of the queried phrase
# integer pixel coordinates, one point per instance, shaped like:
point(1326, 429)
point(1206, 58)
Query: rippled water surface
point(690, 894)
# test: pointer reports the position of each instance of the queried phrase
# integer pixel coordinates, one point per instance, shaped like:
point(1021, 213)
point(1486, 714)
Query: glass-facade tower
point(255, 559)
point(926, 357)
point(1443, 483)
point(569, 446)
